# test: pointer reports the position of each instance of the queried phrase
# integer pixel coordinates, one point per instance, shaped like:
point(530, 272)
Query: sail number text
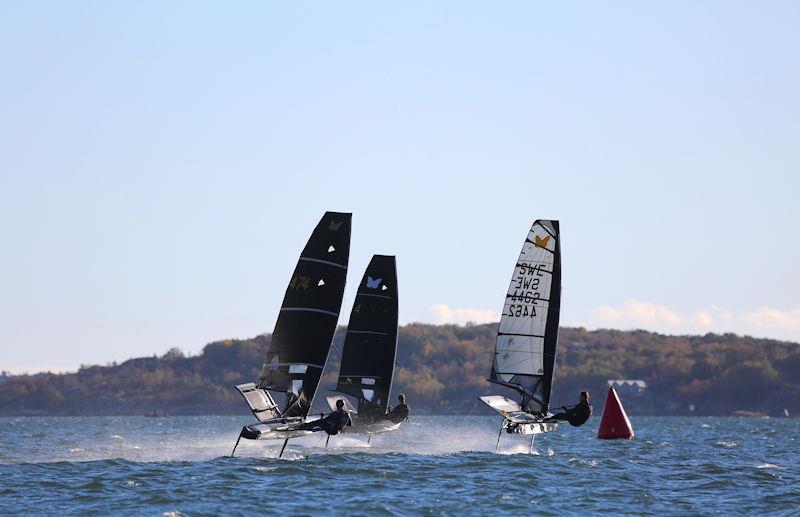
point(299, 282)
point(526, 293)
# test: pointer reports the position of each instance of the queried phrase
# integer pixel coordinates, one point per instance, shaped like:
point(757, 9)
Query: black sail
point(368, 355)
point(309, 314)
point(527, 338)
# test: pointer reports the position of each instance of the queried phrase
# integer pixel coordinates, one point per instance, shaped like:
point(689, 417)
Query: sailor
point(576, 415)
point(400, 411)
point(332, 424)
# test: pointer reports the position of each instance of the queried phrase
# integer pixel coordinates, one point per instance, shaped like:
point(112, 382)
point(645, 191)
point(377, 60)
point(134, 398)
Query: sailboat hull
point(515, 420)
point(364, 425)
point(531, 428)
point(275, 429)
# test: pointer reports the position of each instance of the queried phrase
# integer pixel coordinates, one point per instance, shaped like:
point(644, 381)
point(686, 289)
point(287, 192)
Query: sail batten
point(527, 336)
point(308, 315)
point(370, 345)
point(309, 309)
point(320, 261)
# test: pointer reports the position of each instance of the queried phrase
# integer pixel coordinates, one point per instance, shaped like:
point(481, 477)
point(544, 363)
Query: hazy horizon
point(162, 165)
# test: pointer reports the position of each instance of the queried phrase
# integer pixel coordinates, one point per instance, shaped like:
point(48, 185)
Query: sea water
point(431, 465)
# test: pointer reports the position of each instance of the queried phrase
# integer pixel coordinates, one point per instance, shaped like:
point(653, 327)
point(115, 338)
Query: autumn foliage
point(443, 369)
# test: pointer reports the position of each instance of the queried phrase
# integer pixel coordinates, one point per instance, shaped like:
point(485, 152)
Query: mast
point(308, 315)
point(525, 350)
point(370, 345)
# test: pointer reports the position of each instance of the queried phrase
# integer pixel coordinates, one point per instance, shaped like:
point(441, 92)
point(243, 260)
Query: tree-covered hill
point(444, 370)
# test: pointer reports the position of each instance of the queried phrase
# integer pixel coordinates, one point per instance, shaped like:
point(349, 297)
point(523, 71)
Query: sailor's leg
point(533, 436)
point(284, 447)
point(236, 445)
point(369, 439)
point(502, 426)
point(327, 440)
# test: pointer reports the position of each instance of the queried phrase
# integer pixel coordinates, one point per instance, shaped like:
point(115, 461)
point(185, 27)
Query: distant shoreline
point(443, 371)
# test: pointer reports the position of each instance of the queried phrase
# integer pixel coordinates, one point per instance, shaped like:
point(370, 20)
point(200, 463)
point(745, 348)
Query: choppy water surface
point(435, 465)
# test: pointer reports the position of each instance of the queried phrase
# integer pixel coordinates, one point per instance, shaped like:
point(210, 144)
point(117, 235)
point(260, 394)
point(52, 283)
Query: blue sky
point(162, 164)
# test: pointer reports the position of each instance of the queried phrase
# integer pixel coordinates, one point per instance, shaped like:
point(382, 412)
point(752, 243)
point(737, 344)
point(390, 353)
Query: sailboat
point(369, 350)
point(525, 348)
point(302, 337)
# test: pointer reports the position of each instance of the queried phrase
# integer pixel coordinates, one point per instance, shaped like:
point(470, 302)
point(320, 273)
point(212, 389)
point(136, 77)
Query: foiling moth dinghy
point(302, 337)
point(525, 348)
point(369, 351)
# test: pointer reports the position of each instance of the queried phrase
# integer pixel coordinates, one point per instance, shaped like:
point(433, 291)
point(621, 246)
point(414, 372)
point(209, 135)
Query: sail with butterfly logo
point(370, 345)
point(525, 349)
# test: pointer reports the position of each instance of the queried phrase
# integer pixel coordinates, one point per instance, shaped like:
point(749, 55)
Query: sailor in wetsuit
point(400, 412)
point(333, 423)
point(576, 415)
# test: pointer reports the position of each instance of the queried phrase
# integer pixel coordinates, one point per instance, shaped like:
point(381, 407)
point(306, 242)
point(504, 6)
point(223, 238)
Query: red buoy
point(614, 423)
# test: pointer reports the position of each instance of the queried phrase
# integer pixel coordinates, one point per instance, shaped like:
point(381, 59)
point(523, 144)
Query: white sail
point(525, 347)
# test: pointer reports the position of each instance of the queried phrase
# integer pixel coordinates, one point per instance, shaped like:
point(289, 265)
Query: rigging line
point(297, 401)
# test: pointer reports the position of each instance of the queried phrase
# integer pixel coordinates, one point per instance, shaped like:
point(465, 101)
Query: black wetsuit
point(576, 415)
point(331, 424)
point(398, 413)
